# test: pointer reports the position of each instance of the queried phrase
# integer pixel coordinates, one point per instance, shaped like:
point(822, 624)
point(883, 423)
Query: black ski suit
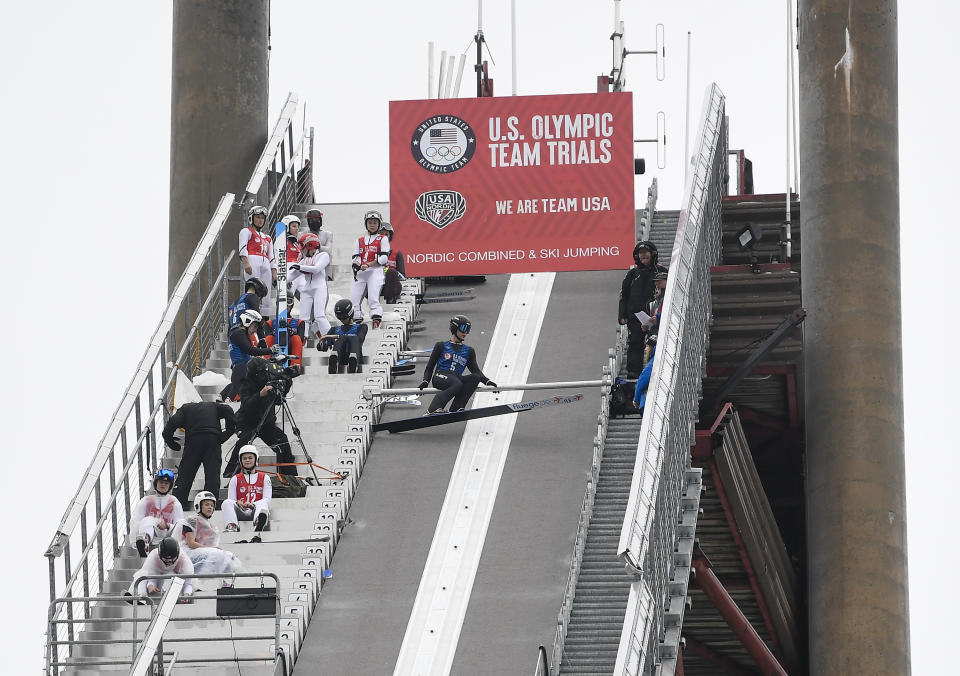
point(636, 293)
point(201, 444)
point(450, 359)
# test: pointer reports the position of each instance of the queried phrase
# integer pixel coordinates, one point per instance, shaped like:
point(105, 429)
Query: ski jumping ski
point(435, 419)
point(446, 297)
point(280, 251)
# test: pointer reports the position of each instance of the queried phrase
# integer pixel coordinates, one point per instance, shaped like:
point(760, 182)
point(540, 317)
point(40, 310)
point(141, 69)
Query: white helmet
point(200, 497)
point(290, 218)
point(250, 448)
point(248, 317)
point(257, 210)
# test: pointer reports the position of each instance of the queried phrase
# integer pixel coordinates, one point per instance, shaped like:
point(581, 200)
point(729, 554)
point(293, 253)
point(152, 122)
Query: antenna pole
point(513, 46)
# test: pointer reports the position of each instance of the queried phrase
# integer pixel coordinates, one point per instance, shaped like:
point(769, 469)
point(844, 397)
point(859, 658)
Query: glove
point(490, 383)
point(423, 384)
point(274, 349)
point(174, 445)
point(295, 266)
point(274, 283)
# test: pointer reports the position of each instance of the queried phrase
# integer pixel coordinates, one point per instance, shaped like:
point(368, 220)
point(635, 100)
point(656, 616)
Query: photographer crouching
point(261, 391)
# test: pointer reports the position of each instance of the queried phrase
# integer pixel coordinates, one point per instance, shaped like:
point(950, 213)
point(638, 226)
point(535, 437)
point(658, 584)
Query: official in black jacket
point(203, 436)
point(636, 293)
point(258, 399)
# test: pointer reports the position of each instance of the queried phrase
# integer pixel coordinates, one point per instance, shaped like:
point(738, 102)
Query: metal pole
point(456, 85)
point(513, 46)
point(855, 492)
point(735, 619)
point(448, 83)
point(372, 392)
point(443, 75)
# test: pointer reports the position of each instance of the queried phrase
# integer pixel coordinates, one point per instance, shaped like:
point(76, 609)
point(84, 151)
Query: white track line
point(433, 631)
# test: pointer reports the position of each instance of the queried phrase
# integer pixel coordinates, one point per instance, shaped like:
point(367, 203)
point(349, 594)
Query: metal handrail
point(649, 533)
point(649, 211)
point(281, 129)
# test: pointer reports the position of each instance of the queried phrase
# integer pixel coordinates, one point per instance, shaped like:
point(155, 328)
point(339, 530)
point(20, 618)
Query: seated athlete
point(198, 539)
point(167, 559)
point(346, 340)
point(154, 515)
point(296, 335)
point(248, 495)
point(450, 358)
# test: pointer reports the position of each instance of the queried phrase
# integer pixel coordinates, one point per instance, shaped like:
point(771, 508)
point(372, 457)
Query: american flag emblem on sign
point(443, 135)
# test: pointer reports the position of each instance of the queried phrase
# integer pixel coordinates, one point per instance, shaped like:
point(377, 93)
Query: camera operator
point(261, 391)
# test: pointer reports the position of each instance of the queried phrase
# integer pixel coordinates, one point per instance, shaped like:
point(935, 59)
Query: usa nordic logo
point(440, 208)
point(443, 143)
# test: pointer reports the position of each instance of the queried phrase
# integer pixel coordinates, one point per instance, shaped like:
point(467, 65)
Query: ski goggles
point(169, 561)
point(165, 474)
point(464, 328)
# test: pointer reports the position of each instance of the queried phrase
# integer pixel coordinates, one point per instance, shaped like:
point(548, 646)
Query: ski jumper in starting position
point(370, 254)
point(256, 248)
point(167, 559)
point(154, 515)
point(248, 494)
point(346, 340)
point(199, 540)
point(450, 358)
point(311, 273)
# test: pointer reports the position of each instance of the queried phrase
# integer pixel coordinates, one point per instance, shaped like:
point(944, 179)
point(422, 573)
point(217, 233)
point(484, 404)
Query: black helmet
point(343, 310)
point(649, 246)
point(169, 551)
point(164, 474)
point(314, 219)
point(259, 287)
point(459, 323)
point(256, 368)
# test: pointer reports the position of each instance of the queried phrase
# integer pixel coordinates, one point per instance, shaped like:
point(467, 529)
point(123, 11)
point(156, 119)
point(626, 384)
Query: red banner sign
point(513, 184)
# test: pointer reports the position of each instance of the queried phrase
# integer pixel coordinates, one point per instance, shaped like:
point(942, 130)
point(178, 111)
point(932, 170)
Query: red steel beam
point(679, 669)
point(744, 557)
point(735, 619)
point(707, 653)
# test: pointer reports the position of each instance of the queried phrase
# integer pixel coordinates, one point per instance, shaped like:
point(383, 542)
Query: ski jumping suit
point(254, 487)
point(248, 301)
point(202, 439)
point(450, 359)
point(296, 337)
point(372, 251)
point(207, 559)
point(350, 340)
point(150, 511)
point(152, 565)
point(242, 350)
point(313, 293)
point(258, 250)
point(643, 382)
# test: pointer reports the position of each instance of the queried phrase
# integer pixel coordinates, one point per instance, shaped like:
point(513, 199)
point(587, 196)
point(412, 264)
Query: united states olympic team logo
point(440, 208)
point(443, 143)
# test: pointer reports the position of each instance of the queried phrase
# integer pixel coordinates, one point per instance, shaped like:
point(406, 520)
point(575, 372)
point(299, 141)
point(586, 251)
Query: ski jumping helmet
point(164, 475)
point(315, 219)
point(169, 551)
point(248, 317)
point(387, 230)
point(459, 323)
point(308, 240)
point(343, 310)
point(375, 215)
point(252, 450)
point(200, 497)
point(259, 287)
point(257, 210)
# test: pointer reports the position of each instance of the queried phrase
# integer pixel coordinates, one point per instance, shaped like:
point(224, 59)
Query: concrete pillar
point(856, 521)
point(219, 113)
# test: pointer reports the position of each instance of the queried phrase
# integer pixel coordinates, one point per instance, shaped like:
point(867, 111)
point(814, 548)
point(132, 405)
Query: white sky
point(86, 116)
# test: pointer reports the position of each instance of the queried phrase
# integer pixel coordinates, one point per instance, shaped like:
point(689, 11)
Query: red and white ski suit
point(258, 250)
point(152, 510)
point(313, 292)
point(255, 488)
point(153, 565)
point(372, 251)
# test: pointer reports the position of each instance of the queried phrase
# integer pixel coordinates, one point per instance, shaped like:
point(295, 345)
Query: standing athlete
point(450, 358)
point(370, 254)
point(256, 248)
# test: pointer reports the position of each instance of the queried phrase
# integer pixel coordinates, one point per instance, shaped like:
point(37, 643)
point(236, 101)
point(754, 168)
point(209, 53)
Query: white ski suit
point(313, 292)
point(150, 512)
point(254, 487)
point(372, 251)
point(152, 565)
point(208, 559)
